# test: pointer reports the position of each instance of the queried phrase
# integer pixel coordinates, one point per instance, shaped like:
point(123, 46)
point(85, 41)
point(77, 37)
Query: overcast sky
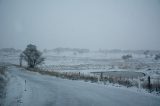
point(93, 24)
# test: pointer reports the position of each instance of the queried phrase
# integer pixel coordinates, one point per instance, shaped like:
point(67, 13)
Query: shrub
point(126, 57)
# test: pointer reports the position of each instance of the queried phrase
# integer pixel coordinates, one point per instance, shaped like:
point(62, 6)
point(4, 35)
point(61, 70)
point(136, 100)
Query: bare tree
point(32, 56)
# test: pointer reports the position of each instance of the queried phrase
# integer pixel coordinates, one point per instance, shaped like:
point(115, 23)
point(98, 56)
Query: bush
point(126, 57)
point(157, 57)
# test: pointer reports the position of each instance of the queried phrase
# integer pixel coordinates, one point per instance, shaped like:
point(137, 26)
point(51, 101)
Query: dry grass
point(66, 75)
point(2, 84)
point(118, 80)
point(154, 86)
point(2, 70)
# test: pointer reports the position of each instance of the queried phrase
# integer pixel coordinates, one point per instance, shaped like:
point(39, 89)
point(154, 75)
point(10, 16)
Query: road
point(43, 90)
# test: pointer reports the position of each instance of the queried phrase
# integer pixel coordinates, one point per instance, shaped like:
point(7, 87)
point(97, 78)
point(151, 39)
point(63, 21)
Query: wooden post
point(25, 85)
point(98, 79)
point(21, 59)
point(20, 62)
point(79, 75)
point(139, 83)
point(101, 76)
point(149, 83)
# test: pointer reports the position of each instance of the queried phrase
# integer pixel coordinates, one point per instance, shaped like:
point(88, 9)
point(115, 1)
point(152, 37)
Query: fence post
point(98, 79)
point(139, 83)
point(25, 85)
point(101, 76)
point(149, 83)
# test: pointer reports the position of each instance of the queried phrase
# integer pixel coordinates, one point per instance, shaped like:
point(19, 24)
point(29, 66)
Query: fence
point(146, 82)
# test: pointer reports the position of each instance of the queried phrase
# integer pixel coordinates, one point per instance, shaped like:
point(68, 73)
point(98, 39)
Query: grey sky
point(94, 24)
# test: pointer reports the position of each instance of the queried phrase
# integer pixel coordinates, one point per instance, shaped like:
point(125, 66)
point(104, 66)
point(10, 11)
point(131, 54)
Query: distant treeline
point(59, 50)
point(10, 50)
point(80, 50)
point(130, 51)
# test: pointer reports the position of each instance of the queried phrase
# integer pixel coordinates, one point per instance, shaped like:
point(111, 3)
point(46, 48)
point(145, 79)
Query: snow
point(42, 90)
point(46, 90)
point(96, 61)
point(92, 62)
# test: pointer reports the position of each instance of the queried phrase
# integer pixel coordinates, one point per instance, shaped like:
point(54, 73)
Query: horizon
point(85, 48)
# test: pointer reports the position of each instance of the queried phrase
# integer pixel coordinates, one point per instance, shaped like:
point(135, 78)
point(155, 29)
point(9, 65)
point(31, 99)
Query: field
point(95, 63)
point(114, 81)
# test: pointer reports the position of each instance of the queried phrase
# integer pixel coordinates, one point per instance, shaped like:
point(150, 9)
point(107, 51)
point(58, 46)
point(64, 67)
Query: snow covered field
point(93, 61)
point(41, 90)
point(96, 61)
point(44, 90)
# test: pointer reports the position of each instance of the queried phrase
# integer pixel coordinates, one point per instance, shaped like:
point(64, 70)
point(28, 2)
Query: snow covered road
point(42, 90)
